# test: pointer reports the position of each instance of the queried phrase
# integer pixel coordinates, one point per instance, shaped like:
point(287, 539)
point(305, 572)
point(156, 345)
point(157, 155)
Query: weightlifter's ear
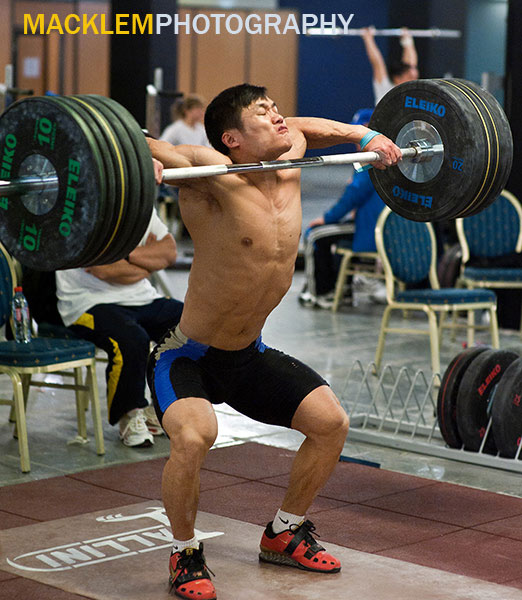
point(231, 138)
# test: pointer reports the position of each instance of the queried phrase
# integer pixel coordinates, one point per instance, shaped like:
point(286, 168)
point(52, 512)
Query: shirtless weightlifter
point(245, 229)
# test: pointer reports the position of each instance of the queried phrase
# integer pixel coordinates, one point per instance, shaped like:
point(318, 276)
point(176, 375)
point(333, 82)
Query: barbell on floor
point(79, 186)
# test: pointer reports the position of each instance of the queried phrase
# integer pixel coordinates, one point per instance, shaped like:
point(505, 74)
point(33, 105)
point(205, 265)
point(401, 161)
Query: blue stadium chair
point(494, 233)
point(408, 252)
point(20, 361)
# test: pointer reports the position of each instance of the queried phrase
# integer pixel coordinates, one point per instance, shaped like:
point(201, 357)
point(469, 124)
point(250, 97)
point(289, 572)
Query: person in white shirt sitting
point(117, 308)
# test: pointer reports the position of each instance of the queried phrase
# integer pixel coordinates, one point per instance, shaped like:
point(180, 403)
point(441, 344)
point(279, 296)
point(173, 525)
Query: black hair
point(224, 112)
point(398, 68)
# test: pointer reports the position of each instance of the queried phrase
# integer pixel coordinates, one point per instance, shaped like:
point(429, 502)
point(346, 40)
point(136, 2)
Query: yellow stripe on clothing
point(114, 374)
point(86, 320)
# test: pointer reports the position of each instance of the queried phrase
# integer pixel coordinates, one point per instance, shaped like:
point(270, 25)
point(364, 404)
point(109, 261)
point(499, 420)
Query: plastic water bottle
point(21, 317)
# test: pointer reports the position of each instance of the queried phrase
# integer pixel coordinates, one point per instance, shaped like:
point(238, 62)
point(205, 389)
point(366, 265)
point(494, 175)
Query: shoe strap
point(193, 567)
point(304, 533)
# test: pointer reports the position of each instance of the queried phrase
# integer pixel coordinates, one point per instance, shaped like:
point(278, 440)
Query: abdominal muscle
point(243, 266)
point(226, 304)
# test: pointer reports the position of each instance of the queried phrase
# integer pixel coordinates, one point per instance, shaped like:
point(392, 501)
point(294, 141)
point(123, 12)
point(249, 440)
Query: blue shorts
point(258, 381)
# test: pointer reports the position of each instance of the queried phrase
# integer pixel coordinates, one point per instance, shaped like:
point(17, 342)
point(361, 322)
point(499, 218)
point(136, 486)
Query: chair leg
point(493, 327)
point(21, 425)
point(80, 404)
point(471, 328)
point(434, 341)
point(95, 406)
point(341, 278)
point(442, 320)
point(310, 267)
point(26, 384)
point(382, 336)
point(455, 314)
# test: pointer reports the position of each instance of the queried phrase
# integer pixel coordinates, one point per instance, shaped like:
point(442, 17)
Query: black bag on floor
point(448, 268)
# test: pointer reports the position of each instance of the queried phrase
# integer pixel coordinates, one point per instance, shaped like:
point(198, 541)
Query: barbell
point(78, 183)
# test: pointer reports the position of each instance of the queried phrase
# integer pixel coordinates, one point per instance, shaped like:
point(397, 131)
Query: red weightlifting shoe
point(189, 575)
point(296, 547)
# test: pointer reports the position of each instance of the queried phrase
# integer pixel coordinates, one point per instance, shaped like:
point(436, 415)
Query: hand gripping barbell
point(78, 183)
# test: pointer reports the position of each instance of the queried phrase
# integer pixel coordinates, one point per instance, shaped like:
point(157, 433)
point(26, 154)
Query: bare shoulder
point(298, 138)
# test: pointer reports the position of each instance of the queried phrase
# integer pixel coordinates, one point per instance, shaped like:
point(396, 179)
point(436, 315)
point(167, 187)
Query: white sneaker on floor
point(378, 296)
point(152, 421)
point(324, 301)
point(134, 431)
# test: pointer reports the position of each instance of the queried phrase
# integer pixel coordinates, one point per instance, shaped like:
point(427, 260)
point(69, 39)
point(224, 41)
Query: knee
point(324, 419)
point(192, 445)
point(338, 426)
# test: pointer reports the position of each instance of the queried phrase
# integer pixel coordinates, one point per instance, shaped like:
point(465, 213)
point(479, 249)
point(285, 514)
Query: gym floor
point(418, 526)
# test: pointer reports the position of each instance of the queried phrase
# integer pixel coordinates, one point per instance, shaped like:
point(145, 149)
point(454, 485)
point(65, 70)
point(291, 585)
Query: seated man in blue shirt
point(359, 196)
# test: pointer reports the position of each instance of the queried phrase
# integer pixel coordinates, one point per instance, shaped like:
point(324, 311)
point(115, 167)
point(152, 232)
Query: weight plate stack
point(50, 230)
point(507, 411)
point(473, 168)
point(144, 175)
point(499, 139)
point(476, 395)
point(122, 219)
point(448, 393)
point(106, 202)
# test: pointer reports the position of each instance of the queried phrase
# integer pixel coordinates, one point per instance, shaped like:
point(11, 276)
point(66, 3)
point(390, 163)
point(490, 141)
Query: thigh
point(190, 423)
point(105, 322)
point(160, 316)
point(320, 414)
point(178, 375)
point(273, 387)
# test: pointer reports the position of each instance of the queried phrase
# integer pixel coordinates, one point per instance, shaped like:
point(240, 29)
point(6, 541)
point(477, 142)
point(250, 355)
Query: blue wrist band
point(369, 136)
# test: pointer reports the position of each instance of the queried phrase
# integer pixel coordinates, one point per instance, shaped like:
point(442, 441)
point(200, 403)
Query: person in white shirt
point(385, 78)
point(117, 308)
point(187, 127)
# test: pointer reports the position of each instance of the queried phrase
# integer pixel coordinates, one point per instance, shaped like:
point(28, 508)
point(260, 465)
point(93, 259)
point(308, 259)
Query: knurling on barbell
point(93, 179)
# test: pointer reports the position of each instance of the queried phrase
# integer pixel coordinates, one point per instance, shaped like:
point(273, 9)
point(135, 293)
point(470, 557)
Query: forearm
point(170, 156)
point(409, 53)
point(380, 71)
point(322, 133)
point(121, 272)
point(155, 256)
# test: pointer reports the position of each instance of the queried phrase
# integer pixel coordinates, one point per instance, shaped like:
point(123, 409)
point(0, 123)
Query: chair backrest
point(407, 249)
point(7, 283)
point(495, 231)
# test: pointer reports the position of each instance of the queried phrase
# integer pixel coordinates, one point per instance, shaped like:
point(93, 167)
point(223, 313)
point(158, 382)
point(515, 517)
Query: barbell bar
point(92, 185)
point(395, 32)
point(419, 151)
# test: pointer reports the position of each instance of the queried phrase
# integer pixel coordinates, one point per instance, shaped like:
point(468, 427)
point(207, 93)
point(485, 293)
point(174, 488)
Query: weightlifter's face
point(264, 131)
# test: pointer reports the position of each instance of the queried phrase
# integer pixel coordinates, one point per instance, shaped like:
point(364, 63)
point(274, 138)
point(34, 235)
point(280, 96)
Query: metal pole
point(294, 163)
point(425, 33)
point(418, 153)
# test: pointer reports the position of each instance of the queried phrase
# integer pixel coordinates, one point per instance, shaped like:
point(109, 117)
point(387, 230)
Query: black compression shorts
point(258, 381)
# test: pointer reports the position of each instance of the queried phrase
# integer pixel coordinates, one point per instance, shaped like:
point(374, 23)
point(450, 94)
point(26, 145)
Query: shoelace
point(194, 562)
point(136, 423)
point(308, 529)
